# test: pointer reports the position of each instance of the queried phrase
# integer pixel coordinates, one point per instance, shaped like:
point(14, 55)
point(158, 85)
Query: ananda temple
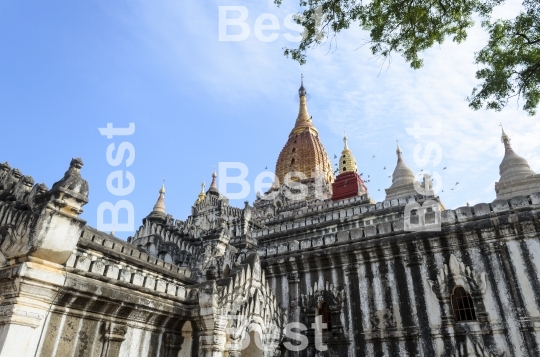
point(313, 268)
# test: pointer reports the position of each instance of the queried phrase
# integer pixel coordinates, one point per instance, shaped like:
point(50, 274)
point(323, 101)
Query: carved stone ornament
point(457, 273)
point(332, 295)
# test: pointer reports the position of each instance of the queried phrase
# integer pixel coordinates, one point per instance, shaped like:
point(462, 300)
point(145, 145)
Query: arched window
point(344, 169)
point(462, 305)
point(292, 161)
point(324, 311)
point(293, 149)
point(344, 161)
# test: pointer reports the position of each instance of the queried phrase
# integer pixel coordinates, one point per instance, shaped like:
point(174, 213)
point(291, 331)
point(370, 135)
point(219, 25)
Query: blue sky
point(70, 67)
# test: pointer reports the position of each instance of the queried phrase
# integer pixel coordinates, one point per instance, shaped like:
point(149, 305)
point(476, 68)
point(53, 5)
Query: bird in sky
point(421, 170)
point(335, 157)
point(379, 189)
point(442, 190)
point(444, 168)
point(457, 183)
point(266, 167)
point(368, 176)
point(373, 157)
point(384, 168)
point(335, 164)
point(452, 189)
point(361, 174)
point(389, 176)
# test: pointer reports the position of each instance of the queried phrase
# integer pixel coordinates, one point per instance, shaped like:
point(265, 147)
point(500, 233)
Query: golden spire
point(303, 153)
point(202, 195)
point(347, 163)
point(303, 121)
point(159, 207)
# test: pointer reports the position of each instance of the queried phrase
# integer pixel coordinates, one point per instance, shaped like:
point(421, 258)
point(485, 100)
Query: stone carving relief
point(334, 296)
point(241, 302)
point(456, 273)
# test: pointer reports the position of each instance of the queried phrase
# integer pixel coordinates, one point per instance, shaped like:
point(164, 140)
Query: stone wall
point(397, 284)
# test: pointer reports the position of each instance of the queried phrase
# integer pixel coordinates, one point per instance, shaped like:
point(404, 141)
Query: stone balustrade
point(119, 246)
point(95, 263)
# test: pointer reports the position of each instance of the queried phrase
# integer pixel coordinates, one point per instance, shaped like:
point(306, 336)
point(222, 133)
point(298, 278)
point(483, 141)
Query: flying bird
point(421, 170)
point(442, 190)
point(361, 174)
point(384, 168)
point(379, 189)
point(335, 157)
point(368, 176)
point(452, 189)
point(266, 168)
point(444, 168)
point(389, 176)
point(457, 183)
point(373, 157)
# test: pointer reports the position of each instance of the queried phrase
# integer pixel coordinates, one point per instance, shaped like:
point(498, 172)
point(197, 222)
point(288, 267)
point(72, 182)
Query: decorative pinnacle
point(162, 189)
point(398, 150)
point(201, 195)
point(345, 141)
point(505, 139)
point(302, 91)
point(159, 207)
point(214, 176)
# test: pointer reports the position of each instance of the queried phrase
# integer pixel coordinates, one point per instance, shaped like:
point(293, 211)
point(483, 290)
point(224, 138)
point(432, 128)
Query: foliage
point(510, 61)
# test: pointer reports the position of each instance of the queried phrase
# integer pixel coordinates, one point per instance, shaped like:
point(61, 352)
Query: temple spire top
point(505, 139)
point(347, 163)
point(213, 186)
point(303, 121)
point(201, 195)
point(159, 207)
point(302, 91)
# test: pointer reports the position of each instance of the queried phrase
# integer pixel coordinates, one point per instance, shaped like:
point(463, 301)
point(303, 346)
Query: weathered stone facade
point(228, 277)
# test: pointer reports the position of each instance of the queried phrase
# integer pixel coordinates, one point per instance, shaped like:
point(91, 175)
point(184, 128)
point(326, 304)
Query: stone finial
point(402, 173)
point(213, 190)
point(403, 179)
point(159, 207)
